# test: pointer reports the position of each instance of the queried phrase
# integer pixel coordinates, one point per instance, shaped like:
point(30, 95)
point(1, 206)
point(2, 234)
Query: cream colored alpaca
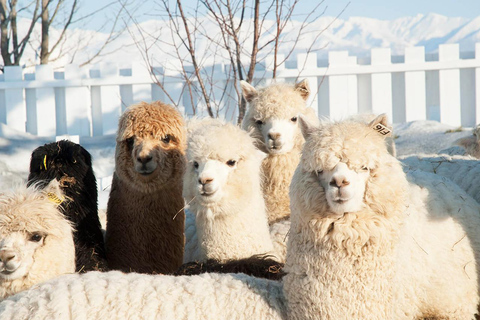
point(366, 243)
point(145, 218)
point(272, 119)
point(471, 144)
point(222, 188)
point(36, 241)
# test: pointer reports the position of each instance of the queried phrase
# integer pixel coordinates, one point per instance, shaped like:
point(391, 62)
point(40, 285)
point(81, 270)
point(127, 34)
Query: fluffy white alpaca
point(272, 119)
point(222, 189)
point(36, 241)
point(116, 295)
point(463, 170)
point(366, 243)
point(466, 146)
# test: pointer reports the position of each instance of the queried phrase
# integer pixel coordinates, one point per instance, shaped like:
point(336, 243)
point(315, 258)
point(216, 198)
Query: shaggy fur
point(71, 164)
point(36, 241)
point(463, 170)
point(272, 119)
point(471, 144)
point(222, 188)
point(394, 257)
point(145, 218)
point(115, 295)
point(367, 118)
point(257, 266)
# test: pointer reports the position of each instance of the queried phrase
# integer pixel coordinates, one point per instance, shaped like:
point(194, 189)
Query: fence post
point(141, 92)
point(45, 102)
point(415, 97)
point(342, 89)
point(308, 61)
point(78, 103)
point(15, 107)
point(449, 86)
point(110, 100)
point(382, 84)
point(477, 85)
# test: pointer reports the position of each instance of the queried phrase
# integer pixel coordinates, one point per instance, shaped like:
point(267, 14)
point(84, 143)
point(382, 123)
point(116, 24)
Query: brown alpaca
point(145, 217)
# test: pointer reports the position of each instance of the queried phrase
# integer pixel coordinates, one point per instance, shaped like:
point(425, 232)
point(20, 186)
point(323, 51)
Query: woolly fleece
point(115, 295)
point(410, 253)
point(234, 224)
point(145, 218)
point(28, 211)
point(277, 101)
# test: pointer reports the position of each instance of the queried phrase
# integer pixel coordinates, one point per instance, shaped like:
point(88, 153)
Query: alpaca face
point(17, 250)
point(344, 187)
point(279, 135)
point(211, 177)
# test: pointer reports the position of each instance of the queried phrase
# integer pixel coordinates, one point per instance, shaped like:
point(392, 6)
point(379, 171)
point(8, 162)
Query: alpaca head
point(273, 113)
point(150, 146)
point(35, 238)
point(223, 164)
point(346, 168)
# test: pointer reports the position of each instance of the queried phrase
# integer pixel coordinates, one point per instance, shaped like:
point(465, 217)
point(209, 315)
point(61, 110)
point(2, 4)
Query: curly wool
point(394, 259)
point(145, 218)
point(29, 210)
point(279, 101)
point(115, 295)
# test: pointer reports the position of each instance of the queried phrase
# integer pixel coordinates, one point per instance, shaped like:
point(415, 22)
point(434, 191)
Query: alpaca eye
point(166, 139)
point(231, 163)
point(294, 119)
point(195, 164)
point(129, 141)
point(319, 172)
point(36, 237)
point(259, 122)
point(365, 168)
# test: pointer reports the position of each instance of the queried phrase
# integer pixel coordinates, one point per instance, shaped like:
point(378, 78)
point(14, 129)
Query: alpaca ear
point(53, 192)
point(248, 91)
point(380, 124)
point(303, 88)
point(306, 126)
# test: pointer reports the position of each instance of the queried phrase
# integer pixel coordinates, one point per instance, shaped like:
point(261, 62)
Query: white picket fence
point(88, 101)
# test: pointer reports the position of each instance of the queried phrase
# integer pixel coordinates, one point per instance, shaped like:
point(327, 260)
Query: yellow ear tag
point(53, 197)
point(45, 162)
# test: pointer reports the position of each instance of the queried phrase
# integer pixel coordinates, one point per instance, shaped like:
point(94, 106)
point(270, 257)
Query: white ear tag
point(382, 129)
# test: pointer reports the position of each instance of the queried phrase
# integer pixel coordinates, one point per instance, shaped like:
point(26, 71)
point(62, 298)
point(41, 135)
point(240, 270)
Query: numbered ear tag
point(45, 162)
point(53, 197)
point(382, 129)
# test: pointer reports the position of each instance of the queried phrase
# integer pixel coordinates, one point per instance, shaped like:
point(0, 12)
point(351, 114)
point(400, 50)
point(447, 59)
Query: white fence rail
point(88, 102)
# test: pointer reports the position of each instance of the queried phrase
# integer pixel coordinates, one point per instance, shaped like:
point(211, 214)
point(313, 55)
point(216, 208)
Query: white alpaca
point(36, 241)
point(463, 170)
point(116, 295)
point(222, 188)
point(366, 243)
point(272, 119)
point(466, 146)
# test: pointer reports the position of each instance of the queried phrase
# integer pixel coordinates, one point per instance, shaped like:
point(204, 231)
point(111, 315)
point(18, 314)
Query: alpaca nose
point(144, 159)
point(204, 181)
point(273, 135)
point(339, 181)
point(6, 255)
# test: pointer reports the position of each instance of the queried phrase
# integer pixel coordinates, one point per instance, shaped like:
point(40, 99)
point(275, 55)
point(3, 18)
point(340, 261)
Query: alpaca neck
point(234, 230)
point(277, 174)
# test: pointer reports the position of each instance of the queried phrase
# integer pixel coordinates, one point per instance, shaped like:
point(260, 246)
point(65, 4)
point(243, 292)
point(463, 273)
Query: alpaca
point(367, 118)
point(71, 164)
point(460, 169)
point(36, 241)
point(272, 119)
point(116, 295)
point(471, 144)
point(145, 218)
point(369, 242)
point(223, 191)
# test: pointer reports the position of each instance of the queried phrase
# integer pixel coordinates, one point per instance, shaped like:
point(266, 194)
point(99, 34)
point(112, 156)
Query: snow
point(16, 148)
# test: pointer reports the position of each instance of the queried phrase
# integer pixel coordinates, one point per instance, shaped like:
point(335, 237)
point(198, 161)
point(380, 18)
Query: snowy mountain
point(153, 40)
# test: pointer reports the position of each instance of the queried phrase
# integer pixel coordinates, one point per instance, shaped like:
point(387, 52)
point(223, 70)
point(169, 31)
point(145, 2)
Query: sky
point(378, 9)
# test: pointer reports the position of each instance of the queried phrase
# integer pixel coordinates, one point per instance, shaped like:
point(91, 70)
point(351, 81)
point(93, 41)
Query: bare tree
point(242, 32)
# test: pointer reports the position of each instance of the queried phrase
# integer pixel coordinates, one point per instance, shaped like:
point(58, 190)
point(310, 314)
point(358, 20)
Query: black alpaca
point(71, 165)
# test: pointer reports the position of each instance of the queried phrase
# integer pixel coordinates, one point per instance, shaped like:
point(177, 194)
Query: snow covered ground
point(15, 150)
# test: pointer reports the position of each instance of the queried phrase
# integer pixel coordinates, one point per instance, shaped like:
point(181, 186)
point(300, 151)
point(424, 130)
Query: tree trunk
point(44, 53)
